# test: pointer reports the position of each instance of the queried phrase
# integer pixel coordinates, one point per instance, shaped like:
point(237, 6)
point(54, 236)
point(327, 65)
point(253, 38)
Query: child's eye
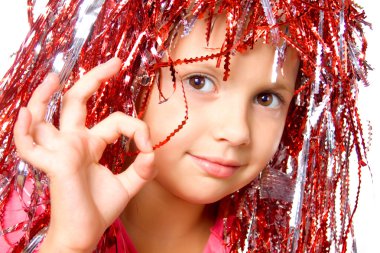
point(268, 99)
point(201, 83)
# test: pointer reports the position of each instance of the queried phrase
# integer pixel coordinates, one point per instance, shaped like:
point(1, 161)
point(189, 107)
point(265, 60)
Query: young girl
point(204, 165)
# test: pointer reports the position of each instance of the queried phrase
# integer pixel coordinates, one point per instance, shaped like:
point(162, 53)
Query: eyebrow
point(210, 65)
point(279, 85)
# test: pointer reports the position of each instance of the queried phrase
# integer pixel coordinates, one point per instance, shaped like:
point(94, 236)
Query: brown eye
point(268, 100)
point(201, 83)
point(198, 82)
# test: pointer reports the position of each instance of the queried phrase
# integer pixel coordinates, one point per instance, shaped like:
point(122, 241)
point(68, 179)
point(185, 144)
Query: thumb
point(138, 174)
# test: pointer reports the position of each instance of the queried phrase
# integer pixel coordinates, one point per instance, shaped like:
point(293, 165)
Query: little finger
point(26, 148)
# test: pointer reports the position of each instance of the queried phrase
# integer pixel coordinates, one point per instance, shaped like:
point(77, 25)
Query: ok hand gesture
point(85, 196)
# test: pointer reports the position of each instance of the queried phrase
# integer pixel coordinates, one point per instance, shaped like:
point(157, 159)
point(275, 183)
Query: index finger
point(74, 101)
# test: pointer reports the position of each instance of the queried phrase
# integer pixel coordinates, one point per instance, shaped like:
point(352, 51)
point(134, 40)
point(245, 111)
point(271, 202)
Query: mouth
point(216, 167)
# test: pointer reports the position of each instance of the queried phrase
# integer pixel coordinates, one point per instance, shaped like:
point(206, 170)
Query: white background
point(13, 28)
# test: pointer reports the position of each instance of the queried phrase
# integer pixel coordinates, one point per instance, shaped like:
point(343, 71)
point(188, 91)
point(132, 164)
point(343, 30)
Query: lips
point(216, 167)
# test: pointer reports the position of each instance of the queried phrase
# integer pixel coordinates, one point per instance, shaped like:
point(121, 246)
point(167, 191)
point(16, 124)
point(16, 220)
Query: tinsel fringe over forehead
point(300, 203)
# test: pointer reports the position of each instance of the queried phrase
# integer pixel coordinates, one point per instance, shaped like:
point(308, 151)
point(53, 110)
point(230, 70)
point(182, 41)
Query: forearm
point(50, 245)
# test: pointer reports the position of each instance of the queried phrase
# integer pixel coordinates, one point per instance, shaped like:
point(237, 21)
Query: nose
point(232, 122)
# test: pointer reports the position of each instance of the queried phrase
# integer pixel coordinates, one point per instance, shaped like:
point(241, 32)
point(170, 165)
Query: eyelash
point(206, 77)
point(279, 97)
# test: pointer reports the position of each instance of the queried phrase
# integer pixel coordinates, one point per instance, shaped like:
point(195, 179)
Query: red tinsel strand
point(180, 126)
point(186, 117)
point(361, 163)
point(30, 7)
point(190, 60)
point(228, 43)
point(209, 21)
point(349, 225)
point(145, 101)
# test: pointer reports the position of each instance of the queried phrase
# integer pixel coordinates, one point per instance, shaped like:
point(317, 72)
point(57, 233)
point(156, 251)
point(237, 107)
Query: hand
point(85, 196)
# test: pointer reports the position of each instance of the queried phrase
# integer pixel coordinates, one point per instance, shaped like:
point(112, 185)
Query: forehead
point(195, 44)
point(261, 56)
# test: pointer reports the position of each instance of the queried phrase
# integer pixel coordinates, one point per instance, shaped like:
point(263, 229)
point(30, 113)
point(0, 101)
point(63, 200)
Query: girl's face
point(234, 126)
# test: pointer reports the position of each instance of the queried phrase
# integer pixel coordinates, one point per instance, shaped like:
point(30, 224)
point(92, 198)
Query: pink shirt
point(15, 214)
point(215, 243)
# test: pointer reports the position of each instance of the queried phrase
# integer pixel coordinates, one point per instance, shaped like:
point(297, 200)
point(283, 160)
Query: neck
point(155, 217)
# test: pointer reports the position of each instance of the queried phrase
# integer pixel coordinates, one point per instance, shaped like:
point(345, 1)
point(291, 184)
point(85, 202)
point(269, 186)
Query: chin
point(201, 195)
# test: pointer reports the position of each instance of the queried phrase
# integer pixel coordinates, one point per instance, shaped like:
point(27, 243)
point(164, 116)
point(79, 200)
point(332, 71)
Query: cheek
point(163, 119)
point(267, 133)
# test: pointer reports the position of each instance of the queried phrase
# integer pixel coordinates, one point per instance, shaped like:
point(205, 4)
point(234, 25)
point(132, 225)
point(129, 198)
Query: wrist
point(50, 244)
